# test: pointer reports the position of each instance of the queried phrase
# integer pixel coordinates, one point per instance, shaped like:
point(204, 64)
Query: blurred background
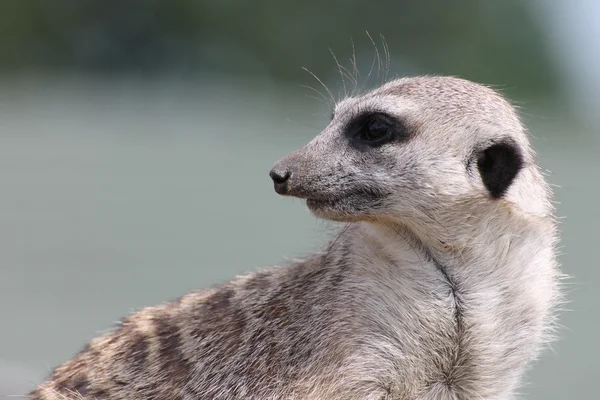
point(136, 138)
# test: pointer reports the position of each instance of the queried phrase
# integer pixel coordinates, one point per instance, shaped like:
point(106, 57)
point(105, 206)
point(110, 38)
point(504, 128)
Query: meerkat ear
point(498, 166)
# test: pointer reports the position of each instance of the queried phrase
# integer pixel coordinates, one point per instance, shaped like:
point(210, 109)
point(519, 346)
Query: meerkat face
point(413, 147)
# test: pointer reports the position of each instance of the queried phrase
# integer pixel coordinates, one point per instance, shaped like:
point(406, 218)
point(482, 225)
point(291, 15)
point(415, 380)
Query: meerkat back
point(441, 284)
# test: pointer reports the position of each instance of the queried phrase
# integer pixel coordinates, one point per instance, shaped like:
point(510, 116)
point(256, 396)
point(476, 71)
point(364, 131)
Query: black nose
point(279, 176)
point(280, 179)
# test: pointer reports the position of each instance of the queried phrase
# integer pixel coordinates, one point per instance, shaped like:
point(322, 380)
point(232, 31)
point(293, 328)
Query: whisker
point(352, 79)
point(353, 60)
point(365, 82)
point(320, 100)
point(377, 54)
point(340, 71)
point(322, 84)
point(386, 51)
point(323, 98)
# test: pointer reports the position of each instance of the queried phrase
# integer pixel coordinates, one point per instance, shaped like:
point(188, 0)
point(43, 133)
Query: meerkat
point(441, 284)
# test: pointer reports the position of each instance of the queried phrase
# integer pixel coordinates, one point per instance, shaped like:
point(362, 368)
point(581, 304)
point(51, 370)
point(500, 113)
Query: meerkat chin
point(442, 283)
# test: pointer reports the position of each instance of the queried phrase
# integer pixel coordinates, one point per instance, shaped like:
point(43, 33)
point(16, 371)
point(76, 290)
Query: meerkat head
point(414, 149)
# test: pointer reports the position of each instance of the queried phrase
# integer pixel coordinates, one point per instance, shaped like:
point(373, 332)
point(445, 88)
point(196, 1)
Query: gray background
point(136, 138)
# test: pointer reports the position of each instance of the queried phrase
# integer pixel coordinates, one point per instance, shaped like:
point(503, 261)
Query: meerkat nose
point(280, 180)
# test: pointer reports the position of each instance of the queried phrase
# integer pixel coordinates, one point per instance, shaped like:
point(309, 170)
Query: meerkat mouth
point(319, 203)
point(358, 201)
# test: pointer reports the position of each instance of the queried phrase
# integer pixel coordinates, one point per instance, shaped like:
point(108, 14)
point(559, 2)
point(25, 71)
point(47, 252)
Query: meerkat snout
point(293, 175)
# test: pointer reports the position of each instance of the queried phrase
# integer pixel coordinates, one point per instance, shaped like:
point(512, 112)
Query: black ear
point(498, 166)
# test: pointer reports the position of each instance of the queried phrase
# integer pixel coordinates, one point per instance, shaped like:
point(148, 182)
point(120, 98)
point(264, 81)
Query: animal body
point(441, 284)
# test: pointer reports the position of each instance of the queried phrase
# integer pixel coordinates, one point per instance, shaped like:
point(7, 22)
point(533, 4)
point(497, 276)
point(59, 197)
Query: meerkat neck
point(485, 236)
point(507, 264)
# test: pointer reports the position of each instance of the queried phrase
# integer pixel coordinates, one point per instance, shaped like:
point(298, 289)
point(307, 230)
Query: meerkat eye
point(375, 131)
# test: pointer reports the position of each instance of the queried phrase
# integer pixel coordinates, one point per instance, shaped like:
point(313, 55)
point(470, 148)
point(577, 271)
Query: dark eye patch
point(374, 129)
